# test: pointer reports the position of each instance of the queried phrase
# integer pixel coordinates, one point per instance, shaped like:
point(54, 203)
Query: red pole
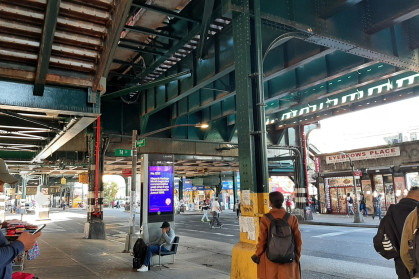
point(97, 166)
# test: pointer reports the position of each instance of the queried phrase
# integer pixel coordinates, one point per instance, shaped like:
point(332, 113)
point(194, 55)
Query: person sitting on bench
point(167, 237)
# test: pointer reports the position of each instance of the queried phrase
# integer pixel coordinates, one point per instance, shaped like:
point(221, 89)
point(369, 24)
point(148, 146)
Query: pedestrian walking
point(397, 230)
point(350, 203)
point(267, 269)
point(205, 208)
point(288, 204)
point(363, 204)
point(376, 202)
point(238, 210)
point(215, 209)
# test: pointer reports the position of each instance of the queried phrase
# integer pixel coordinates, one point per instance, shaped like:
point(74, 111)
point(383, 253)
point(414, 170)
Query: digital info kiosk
point(158, 194)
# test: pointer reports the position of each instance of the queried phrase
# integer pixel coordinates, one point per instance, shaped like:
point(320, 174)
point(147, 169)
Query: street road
point(328, 251)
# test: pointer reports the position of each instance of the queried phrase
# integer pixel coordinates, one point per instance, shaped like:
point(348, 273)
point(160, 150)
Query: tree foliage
point(110, 189)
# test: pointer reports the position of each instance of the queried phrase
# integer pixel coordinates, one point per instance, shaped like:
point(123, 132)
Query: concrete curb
point(356, 225)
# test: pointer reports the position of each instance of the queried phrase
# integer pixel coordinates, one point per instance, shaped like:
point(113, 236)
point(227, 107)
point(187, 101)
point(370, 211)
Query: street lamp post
point(358, 218)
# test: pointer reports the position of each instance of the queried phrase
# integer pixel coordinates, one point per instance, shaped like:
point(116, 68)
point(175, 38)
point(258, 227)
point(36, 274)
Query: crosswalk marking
point(207, 232)
point(339, 233)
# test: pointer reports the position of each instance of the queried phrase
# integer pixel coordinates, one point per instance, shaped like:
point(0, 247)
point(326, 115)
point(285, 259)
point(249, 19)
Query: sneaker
point(208, 220)
point(202, 221)
point(143, 268)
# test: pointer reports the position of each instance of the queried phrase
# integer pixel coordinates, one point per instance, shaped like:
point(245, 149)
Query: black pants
point(215, 218)
point(401, 270)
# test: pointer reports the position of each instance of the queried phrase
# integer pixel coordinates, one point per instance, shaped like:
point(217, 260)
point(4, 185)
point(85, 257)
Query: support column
point(250, 119)
point(301, 182)
point(94, 228)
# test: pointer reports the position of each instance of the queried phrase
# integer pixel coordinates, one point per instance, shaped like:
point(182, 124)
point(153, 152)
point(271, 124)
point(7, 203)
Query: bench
point(172, 251)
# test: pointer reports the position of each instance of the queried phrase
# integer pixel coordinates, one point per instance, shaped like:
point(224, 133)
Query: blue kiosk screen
point(160, 189)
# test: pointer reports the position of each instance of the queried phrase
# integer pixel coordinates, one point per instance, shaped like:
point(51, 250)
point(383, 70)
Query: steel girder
point(336, 47)
point(55, 100)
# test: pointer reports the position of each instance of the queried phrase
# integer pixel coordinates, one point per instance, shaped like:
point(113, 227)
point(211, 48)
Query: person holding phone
point(9, 251)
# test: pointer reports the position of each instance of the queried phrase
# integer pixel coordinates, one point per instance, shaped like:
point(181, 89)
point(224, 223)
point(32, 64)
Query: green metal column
point(251, 129)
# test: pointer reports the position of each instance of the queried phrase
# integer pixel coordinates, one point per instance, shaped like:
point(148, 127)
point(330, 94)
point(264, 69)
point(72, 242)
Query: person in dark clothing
point(398, 214)
point(9, 251)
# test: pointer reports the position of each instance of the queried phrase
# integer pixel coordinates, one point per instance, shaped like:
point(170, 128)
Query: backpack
point(351, 201)
point(139, 252)
point(383, 242)
point(280, 247)
point(414, 253)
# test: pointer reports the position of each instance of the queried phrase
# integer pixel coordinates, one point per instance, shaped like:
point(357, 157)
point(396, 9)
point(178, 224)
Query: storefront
point(337, 189)
point(380, 171)
point(193, 196)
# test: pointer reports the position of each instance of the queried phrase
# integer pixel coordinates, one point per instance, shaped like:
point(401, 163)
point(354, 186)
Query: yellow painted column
point(242, 266)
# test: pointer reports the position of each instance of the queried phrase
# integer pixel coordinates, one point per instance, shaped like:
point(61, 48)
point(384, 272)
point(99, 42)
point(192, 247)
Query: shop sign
point(126, 172)
point(31, 190)
point(63, 181)
point(317, 163)
point(364, 155)
point(352, 96)
point(44, 191)
point(358, 173)
point(84, 178)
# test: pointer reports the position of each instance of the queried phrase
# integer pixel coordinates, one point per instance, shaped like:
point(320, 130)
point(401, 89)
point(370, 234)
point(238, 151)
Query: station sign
point(123, 152)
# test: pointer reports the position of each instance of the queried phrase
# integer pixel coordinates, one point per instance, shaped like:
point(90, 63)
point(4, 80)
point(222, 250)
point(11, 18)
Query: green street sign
point(123, 152)
point(140, 143)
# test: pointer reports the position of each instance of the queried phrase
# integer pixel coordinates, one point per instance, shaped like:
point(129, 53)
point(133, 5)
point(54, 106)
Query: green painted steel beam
point(191, 34)
point(346, 33)
point(399, 84)
point(148, 85)
point(206, 19)
point(244, 90)
point(190, 91)
point(44, 54)
point(334, 7)
point(118, 61)
point(164, 11)
point(377, 100)
point(141, 50)
point(55, 100)
point(16, 155)
point(354, 84)
point(148, 31)
point(138, 43)
point(385, 14)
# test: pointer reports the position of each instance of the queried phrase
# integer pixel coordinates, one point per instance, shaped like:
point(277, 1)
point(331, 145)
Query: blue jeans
point(377, 211)
point(153, 249)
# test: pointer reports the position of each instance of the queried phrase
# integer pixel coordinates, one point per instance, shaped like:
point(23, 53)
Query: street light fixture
point(358, 218)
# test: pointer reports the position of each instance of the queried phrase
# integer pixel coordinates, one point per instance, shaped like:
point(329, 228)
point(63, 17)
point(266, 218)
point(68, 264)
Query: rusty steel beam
point(111, 43)
point(15, 74)
point(44, 54)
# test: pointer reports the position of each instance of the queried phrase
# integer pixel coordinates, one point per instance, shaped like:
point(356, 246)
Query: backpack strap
point(286, 217)
point(270, 217)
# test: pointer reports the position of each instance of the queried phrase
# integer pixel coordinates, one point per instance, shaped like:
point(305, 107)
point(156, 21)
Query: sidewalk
point(68, 255)
point(342, 220)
